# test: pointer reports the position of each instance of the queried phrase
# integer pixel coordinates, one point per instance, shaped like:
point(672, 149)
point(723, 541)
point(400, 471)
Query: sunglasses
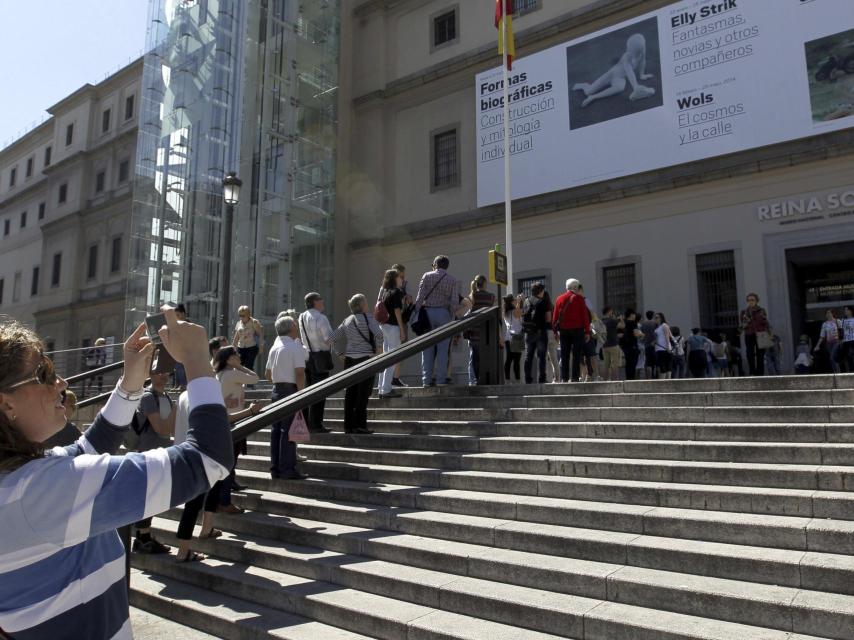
point(45, 374)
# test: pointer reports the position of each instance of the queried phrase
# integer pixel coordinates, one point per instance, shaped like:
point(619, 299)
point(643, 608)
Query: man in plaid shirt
point(439, 293)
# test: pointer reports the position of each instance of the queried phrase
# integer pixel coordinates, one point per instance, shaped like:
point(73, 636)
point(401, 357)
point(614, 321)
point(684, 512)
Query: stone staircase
point(664, 510)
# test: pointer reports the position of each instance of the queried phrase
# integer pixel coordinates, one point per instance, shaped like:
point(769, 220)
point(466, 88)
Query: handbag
point(422, 321)
point(319, 362)
point(380, 310)
point(299, 433)
point(764, 340)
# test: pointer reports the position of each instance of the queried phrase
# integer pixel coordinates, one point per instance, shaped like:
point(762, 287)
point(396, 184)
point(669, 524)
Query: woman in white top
point(248, 337)
point(829, 340)
point(514, 337)
point(233, 376)
point(663, 347)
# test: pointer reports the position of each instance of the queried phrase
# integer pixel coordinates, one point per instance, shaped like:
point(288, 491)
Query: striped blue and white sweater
point(62, 566)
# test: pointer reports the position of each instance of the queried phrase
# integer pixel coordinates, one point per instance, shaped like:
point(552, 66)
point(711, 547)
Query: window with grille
point(92, 266)
point(30, 162)
point(105, 120)
point(116, 255)
point(129, 104)
point(445, 28)
point(41, 210)
point(525, 284)
point(124, 170)
point(619, 285)
point(445, 159)
point(23, 219)
point(56, 271)
point(716, 288)
point(63, 193)
point(100, 181)
point(34, 285)
point(521, 7)
point(69, 134)
point(12, 175)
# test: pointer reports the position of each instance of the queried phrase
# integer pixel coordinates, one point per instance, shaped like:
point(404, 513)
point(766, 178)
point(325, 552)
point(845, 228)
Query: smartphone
point(153, 323)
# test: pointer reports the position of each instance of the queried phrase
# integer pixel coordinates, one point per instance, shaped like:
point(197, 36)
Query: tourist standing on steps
point(571, 321)
point(408, 307)
point(286, 370)
point(536, 320)
point(754, 321)
point(679, 368)
point(829, 341)
point(248, 337)
point(698, 348)
point(514, 336)
point(316, 335)
point(648, 328)
point(394, 328)
point(154, 424)
point(95, 358)
point(59, 515)
point(480, 299)
point(355, 341)
point(629, 334)
point(439, 294)
point(233, 377)
point(848, 339)
point(663, 347)
point(611, 347)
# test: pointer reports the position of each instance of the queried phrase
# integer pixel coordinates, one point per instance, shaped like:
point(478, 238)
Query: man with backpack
point(153, 425)
point(536, 318)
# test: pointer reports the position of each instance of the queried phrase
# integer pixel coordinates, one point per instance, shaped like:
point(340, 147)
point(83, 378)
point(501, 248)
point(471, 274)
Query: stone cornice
point(536, 37)
point(823, 147)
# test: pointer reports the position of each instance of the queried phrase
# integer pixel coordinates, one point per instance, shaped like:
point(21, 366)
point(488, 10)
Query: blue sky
point(50, 48)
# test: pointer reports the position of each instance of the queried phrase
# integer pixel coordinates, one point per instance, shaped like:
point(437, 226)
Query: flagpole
point(508, 210)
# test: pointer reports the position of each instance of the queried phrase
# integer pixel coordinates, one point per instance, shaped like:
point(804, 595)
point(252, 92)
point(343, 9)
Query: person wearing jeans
point(754, 320)
point(536, 319)
point(355, 342)
point(571, 321)
point(286, 370)
point(394, 329)
point(438, 293)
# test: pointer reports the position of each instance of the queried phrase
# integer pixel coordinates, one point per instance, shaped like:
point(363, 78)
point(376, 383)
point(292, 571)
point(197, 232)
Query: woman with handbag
point(830, 341)
point(514, 336)
point(389, 314)
point(355, 341)
point(316, 334)
point(757, 335)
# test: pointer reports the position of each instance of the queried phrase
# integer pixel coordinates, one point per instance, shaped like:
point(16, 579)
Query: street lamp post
point(231, 197)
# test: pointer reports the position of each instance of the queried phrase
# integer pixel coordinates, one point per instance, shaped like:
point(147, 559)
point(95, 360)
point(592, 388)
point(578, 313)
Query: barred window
point(445, 28)
point(445, 172)
point(620, 287)
point(525, 284)
point(716, 288)
point(521, 7)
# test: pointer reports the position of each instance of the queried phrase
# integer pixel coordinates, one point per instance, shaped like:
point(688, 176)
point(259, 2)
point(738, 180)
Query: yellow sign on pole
point(497, 268)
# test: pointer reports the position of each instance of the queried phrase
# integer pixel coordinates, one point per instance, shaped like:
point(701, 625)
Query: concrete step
point(791, 502)
point(792, 476)
point(223, 615)
point(811, 397)
point(358, 611)
point(314, 498)
point(147, 626)
point(564, 590)
point(714, 451)
point(730, 432)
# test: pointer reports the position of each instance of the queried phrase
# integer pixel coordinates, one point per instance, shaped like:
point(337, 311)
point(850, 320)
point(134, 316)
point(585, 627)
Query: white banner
point(696, 79)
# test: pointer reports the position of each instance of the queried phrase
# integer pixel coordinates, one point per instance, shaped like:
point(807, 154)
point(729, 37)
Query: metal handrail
point(94, 373)
point(286, 407)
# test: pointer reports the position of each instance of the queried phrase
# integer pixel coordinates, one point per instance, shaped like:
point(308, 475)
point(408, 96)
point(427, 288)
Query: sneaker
point(150, 547)
point(397, 382)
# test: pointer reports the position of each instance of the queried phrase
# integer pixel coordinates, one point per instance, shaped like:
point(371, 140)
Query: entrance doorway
point(820, 278)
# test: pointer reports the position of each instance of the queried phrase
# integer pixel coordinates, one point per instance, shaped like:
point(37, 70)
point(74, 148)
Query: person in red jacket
point(571, 321)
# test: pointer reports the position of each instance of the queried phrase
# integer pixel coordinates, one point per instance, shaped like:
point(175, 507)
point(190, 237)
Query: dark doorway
point(820, 278)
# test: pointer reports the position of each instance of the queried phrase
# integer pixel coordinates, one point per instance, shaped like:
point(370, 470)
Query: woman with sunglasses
point(62, 564)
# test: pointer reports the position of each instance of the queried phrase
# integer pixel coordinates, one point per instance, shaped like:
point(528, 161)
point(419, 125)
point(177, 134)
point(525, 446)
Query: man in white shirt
point(316, 334)
point(286, 370)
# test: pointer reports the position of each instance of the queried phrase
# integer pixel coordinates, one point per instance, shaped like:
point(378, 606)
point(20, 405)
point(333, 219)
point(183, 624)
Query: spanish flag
point(504, 11)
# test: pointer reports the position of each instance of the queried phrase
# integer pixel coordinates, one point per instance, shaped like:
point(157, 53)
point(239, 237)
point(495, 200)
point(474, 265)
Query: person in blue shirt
point(62, 564)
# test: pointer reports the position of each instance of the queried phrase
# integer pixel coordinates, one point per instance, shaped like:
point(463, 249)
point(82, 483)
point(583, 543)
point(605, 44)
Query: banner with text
point(696, 79)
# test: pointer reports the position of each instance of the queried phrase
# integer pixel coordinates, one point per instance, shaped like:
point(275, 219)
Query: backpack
point(380, 310)
point(528, 323)
point(679, 347)
point(719, 350)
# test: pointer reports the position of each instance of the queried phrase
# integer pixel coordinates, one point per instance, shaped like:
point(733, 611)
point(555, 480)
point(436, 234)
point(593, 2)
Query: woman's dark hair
point(696, 331)
point(480, 281)
point(661, 315)
point(390, 279)
point(18, 345)
point(629, 312)
point(753, 295)
point(848, 307)
point(222, 356)
point(676, 331)
point(509, 303)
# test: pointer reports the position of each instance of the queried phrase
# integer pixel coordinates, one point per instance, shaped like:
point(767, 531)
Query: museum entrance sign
point(693, 80)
